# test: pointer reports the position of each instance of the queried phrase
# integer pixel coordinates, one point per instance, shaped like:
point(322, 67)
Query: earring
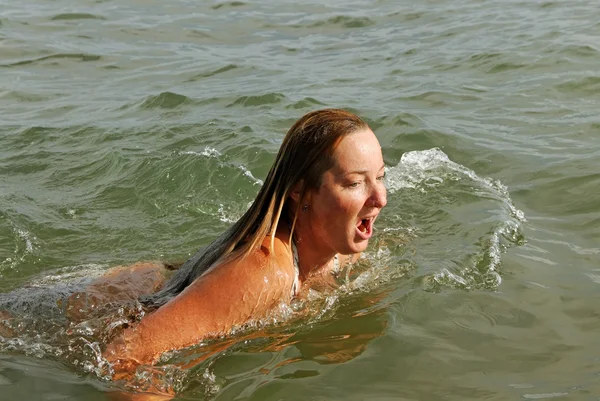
point(305, 207)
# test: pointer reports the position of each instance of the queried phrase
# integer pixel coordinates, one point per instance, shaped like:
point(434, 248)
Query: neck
point(313, 256)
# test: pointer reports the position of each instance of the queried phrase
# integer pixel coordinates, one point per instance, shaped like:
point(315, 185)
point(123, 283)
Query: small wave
point(229, 4)
point(456, 189)
point(580, 51)
point(213, 153)
point(345, 21)
point(398, 120)
point(439, 98)
point(23, 96)
point(502, 67)
point(305, 103)
point(165, 100)
point(406, 16)
point(212, 73)
point(197, 33)
point(76, 16)
point(78, 56)
point(589, 86)
point(260, 100)
point(416, 168)
point(207, 152)
point(491, 63)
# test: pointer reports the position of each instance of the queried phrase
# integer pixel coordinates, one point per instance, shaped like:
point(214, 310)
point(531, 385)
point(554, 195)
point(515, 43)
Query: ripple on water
point(579, 51)
point(60, 56)
point(440, 98)
point(259, 100)
point(339, 21)
point(212, 73)
point(76, 16)
point(165, 100)
point(589, 86)
point(344, 21)
point(229, 4)
point(307, 102)
point(488, 62)
point(406, 16)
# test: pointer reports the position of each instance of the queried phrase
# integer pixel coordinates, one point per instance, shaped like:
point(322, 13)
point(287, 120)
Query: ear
point(297, 191)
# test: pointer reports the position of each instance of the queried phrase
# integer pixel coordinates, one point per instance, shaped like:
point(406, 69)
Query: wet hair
point(305, 154)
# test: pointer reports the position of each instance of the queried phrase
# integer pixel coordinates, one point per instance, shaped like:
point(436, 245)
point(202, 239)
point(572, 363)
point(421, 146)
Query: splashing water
point(470, 219)
point(24, 245)
point(443, 224)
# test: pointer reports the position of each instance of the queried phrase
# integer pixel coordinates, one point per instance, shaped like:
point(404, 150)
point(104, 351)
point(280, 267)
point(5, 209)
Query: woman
point(315, 212)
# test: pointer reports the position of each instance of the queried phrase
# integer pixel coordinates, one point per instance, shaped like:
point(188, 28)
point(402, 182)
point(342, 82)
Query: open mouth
point(365, 227)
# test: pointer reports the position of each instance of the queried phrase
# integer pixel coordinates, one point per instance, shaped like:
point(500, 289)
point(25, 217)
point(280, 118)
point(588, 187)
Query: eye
point(381, 178)
point(354, 185)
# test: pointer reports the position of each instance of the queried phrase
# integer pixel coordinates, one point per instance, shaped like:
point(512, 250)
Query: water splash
point(210, 152)
point(207, 152)
point(25, 245)
point(227, 216)
point(424, 232)
point(457, 203)
point(248, 174)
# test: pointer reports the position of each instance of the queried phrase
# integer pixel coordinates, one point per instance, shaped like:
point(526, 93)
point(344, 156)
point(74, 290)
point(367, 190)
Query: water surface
point(139, 131)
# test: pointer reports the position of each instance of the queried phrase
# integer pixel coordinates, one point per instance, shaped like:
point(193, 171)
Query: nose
point(378, 197)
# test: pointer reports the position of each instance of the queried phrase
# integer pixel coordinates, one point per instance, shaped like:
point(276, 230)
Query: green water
point(140, 130)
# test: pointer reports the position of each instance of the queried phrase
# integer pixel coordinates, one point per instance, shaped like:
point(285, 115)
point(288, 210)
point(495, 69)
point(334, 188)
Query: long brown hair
point(305, 154)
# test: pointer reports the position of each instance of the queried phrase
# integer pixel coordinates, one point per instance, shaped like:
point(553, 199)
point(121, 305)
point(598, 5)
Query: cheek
point(339, 207)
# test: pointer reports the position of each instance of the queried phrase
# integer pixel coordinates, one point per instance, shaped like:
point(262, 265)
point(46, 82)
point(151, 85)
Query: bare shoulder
point(231, 294)
point(267, 269)
point(242, 289)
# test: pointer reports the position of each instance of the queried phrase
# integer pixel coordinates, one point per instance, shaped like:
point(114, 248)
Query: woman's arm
point(229, 295)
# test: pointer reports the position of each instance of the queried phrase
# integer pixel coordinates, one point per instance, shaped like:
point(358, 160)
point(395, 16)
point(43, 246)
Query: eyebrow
point(360, 171)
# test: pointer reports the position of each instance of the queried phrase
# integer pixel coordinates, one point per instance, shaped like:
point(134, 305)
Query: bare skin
point(352, 190)
point(337, 220)
point(220, 299)
point(5, 330)
point(119, 284)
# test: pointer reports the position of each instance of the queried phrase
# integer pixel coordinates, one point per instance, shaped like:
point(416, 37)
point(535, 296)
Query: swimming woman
point(315, 212)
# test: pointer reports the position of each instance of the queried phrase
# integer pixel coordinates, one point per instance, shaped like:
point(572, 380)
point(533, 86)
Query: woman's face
point(343, 210)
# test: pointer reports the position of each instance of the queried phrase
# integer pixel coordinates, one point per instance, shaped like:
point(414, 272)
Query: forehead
point(359, 150)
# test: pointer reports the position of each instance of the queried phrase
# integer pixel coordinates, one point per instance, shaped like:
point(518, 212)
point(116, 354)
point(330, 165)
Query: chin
point(357, 247)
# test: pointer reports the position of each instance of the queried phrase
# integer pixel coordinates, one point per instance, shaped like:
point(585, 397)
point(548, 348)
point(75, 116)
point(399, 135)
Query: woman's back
point(228, 295)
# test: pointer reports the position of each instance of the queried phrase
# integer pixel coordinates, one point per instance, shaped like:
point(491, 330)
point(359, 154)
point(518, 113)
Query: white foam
point(224, 217)
point(26, 236)
point(248, 174)
point(68, 273)
point(20, 252)
point(207, 152)
point(432, 167)
point(212, 152)
point(427, 169)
